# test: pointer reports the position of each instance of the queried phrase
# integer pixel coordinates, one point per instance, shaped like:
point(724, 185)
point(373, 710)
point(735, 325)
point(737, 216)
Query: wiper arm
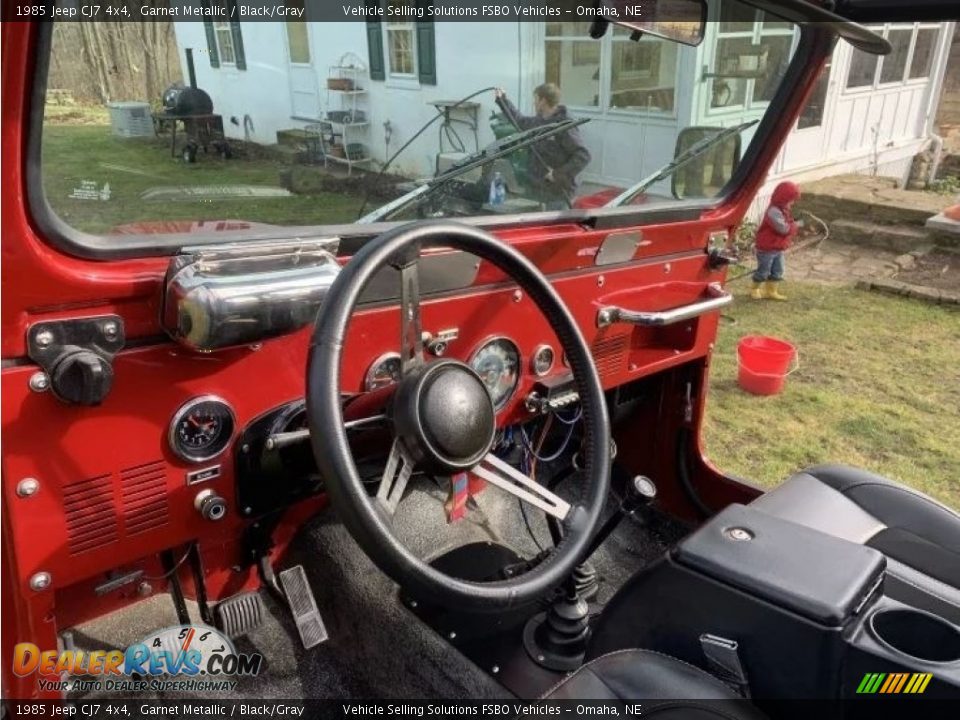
point(690, 154)
point(507, 146)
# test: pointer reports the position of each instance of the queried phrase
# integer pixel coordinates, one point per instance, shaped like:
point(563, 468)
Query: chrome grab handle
point(612, 314)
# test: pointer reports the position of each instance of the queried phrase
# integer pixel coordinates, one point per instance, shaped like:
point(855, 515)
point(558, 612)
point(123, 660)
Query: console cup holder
point(920, 635)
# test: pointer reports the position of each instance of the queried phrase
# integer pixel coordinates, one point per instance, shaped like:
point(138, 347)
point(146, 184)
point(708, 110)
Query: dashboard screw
point(39, 382)
point(495, 669)
point(44, 338)
point(110, 330)
point(28, 487)
point(145, 589)
point(667, 268)
point(517, 296)
point(740, 534)
point(452, 635)
point(245, 448)
point(40, 581)
point(413, 603)
point(600, 281)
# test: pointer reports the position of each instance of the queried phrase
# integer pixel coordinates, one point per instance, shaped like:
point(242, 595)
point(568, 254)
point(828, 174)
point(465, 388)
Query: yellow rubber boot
point(756, 292)
point(772, 293)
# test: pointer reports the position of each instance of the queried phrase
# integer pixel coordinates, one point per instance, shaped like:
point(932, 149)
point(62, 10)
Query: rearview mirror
point(682, 21)
point(704, 175)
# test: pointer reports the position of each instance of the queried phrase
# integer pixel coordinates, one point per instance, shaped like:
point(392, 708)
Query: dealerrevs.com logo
point(183, 657)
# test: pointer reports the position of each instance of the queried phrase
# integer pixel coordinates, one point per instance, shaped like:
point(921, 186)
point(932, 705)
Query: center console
point(797, 614)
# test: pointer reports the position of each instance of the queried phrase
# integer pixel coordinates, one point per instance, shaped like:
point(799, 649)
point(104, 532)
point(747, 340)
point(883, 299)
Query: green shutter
point(241, 58)
point(211, 44)
point(426, 49)
point(375, 48)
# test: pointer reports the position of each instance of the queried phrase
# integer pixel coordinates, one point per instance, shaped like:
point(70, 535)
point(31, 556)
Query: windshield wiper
point(477, 159)
point(690, 154)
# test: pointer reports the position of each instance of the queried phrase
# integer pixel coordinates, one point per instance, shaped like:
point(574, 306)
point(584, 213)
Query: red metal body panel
point(82, 455)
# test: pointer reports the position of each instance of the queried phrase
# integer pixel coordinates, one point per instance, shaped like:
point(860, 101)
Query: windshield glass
point(233, 127)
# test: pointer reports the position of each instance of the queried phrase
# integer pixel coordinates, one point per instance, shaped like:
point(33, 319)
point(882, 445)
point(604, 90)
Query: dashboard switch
point(210, 505)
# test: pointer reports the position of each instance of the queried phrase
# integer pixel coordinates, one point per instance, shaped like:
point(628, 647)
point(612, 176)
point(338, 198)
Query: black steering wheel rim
point(361, 516)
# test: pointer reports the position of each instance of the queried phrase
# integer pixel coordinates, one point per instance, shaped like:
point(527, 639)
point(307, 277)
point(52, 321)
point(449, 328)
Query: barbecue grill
point(192, 108)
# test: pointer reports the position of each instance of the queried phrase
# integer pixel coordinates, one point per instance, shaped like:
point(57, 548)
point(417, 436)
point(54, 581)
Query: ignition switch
point(210, 505)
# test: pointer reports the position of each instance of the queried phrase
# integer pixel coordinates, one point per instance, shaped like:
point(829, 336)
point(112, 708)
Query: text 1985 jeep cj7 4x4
point(380, 412)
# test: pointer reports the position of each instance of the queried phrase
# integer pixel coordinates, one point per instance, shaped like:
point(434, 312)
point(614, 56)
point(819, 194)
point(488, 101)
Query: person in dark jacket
point(774, 236)
point(555, 162)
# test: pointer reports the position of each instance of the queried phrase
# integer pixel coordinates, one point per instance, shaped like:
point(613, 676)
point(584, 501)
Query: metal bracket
point(75, 351)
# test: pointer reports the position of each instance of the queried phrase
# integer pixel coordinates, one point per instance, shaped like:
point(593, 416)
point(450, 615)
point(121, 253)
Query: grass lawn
point(73, 153)
point(878, 387)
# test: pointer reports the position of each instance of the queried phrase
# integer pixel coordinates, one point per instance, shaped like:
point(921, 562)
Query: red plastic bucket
point(764, 364)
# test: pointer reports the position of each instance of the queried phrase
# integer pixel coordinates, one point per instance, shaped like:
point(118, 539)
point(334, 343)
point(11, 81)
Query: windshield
point(233, 128)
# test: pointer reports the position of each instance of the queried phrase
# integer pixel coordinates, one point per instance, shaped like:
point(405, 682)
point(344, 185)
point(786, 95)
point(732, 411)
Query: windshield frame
point(61, 236)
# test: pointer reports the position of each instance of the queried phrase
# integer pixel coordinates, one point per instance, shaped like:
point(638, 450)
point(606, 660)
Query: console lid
point(821, 577)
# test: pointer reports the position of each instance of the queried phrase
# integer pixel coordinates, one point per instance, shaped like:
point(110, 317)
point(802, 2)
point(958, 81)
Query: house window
point(614, 73)
point(895, 64)
point(923, 50)
point(573, 62)
point(863, 69)
point(812, 113)
point(910, 59)
point(401, 49)
point(224, 35)
point(751, 55)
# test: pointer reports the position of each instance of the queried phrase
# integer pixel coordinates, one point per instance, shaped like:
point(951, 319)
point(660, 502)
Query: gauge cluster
point(201, 428)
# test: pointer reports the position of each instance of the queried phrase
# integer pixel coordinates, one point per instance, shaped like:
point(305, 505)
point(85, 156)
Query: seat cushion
point(916, 531)
point(651, 676)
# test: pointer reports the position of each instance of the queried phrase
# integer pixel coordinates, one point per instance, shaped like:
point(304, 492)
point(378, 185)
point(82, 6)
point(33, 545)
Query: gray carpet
point(377, 648)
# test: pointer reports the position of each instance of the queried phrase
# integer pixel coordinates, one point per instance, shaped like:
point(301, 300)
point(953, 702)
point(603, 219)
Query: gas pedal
point(303, 606)
point(240, 614)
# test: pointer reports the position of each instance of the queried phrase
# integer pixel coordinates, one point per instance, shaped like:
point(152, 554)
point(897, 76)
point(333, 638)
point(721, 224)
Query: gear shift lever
point(557, 639)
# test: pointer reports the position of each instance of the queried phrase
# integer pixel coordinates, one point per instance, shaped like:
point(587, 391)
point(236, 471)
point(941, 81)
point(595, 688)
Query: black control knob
point(82, 377)
point(210, 505)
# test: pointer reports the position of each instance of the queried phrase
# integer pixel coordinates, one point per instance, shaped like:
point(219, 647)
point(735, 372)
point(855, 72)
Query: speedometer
point(497, 362)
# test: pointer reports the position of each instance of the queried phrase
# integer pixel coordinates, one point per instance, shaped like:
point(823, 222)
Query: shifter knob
point(643, 489)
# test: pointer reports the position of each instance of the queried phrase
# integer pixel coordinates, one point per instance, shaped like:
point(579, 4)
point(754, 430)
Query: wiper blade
point(690, 154)
point(483, 157)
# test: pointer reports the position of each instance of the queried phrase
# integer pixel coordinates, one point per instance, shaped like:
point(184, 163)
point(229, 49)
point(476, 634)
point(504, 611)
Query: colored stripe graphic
point(894, 683)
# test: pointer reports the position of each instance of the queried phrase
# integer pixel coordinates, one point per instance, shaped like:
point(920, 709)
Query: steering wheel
point(444, 421)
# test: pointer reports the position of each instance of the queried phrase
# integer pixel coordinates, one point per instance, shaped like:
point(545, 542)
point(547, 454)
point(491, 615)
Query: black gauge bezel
point(498, 406)
point(221, 444)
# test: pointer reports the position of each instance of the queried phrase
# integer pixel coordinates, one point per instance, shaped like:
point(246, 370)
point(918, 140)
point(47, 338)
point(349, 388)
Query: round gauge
point(201, 429)
point(542, 360)
point(498, 363)
point(384, 371)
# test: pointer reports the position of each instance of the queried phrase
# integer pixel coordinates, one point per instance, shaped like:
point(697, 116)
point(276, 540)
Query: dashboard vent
point(91, 514)
point(144, 492)
point(610, 354)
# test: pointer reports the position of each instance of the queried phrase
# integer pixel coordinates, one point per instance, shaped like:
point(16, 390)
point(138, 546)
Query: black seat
point(919, 536)
point(687, 692)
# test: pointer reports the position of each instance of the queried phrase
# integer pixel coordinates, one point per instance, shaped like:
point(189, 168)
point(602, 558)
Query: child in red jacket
point(773, 237)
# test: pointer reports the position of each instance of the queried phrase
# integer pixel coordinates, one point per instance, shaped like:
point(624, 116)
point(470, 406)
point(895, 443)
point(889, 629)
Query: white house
point(868, 114)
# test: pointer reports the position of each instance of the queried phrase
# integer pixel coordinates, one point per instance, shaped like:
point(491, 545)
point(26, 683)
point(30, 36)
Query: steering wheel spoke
point(506, 477)
point(411, 329)
point(395, 477)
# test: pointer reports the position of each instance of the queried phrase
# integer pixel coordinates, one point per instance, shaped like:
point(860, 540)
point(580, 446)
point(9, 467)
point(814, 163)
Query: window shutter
point(426, 49)
point(241, 58)
point(375, 48)
point(212, 44)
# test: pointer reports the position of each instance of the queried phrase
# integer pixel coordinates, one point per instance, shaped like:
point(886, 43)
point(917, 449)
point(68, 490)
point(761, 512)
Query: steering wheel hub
point(445, 417)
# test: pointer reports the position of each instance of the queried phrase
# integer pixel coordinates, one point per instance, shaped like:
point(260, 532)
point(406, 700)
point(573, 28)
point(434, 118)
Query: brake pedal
point(240, 614)
point(303, 606)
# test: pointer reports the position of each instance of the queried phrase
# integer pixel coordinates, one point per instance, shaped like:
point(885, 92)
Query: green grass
point(77, 152)
point(878, 386)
